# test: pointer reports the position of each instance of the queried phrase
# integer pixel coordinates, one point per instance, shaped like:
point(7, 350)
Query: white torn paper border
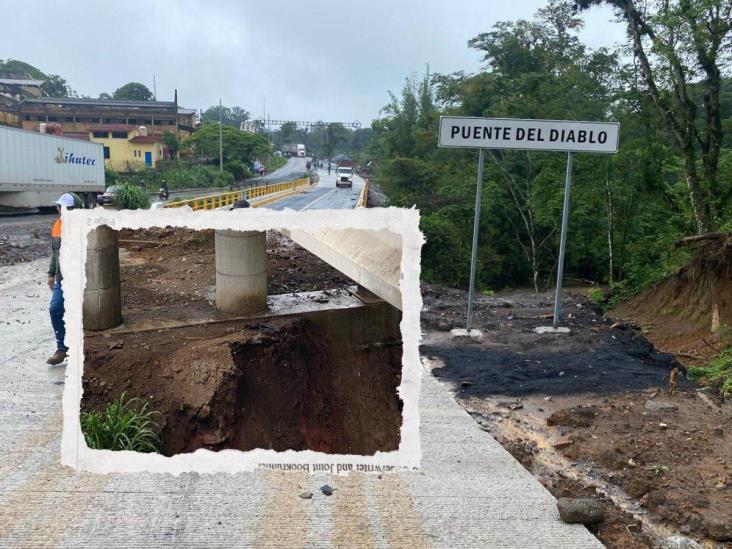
point(77, 224)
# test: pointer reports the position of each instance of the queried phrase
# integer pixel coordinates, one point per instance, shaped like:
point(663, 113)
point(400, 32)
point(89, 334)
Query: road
point(324, 195)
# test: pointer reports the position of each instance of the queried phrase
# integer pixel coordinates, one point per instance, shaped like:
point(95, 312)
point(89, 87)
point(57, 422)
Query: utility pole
point(155, 89)
point(221, 138)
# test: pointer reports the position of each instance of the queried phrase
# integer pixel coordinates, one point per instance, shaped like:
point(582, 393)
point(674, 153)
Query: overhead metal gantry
point(262, 123)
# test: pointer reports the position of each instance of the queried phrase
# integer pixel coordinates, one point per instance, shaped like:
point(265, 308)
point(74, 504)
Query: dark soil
point(282, 385)
point(515, 361)
point(586, 392)
point(169, 273)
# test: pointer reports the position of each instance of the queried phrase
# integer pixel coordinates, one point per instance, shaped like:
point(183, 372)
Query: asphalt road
point(323, 196)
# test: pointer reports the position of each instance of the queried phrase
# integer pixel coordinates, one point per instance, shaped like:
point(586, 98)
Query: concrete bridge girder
point(371, 258)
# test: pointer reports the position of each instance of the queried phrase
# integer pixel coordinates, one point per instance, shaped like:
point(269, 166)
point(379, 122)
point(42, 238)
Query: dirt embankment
point(689, 313)
point(282, 385)
point(588, 414)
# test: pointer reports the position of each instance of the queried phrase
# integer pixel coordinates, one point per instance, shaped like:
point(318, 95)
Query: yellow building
point(128, 150)
point(130, 131)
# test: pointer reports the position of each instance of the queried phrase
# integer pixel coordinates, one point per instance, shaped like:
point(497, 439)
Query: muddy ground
point(276, 383)
point(169, 274)
point(588, 412)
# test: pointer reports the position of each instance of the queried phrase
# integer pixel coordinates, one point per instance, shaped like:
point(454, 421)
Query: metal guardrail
point(363, 198)
point(219, 200)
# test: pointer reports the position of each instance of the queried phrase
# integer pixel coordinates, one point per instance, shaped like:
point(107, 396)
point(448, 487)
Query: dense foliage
point(176, 174)
point(133, 91)
point(627, 209)
point(238, 146)
point(230, 116)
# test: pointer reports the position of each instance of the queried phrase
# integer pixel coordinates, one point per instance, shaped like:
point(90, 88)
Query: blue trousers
point(57, 316)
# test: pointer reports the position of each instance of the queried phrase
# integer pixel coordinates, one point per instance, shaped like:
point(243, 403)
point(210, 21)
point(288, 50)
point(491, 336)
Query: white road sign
point(515, 133)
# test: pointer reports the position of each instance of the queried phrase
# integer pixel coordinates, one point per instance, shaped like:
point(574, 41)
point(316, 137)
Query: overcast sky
point(312, 60)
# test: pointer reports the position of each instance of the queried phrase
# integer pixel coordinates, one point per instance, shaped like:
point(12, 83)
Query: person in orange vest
point(56, 307)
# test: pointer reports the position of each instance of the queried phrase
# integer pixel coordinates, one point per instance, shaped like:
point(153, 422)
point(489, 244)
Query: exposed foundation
point(324, 380)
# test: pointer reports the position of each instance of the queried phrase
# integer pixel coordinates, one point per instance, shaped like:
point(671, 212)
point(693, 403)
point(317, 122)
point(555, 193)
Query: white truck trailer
point(36, 168)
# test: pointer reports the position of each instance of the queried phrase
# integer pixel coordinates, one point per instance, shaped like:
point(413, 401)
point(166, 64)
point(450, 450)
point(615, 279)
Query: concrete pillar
point(102, 307)
point(241, 271)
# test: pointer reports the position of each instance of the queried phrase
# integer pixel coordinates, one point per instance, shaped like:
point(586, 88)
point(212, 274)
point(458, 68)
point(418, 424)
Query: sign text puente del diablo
point(543, 135)
point(465, 132)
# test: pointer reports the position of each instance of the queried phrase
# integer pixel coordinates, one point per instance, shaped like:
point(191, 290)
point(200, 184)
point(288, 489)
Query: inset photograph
point(228, 339)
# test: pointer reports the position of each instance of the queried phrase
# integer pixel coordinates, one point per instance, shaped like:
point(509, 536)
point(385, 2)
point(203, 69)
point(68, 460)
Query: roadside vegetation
point(131, 197)
point(124, 425)
point(178, 176)
point(718, 373)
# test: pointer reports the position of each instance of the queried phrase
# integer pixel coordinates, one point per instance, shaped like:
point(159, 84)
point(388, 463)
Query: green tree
point(133, 91)
point(333, 135)
point(172, 142)
point(55, 86)
point(677, 43)
point(231, 116)
point(288, 132)
point(237, 145)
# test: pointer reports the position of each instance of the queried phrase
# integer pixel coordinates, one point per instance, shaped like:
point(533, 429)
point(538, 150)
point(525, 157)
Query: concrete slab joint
point(102, 307)
point(241, 271)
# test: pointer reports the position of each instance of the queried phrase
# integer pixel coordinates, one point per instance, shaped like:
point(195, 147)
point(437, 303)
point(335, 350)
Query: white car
point(344, 176)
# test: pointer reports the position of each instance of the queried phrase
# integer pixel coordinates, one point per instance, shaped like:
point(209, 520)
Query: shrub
point(111, 177)
point(124, 425)
point(596, 295)
point(235, 168)
point(131, 197)
point(718, 372)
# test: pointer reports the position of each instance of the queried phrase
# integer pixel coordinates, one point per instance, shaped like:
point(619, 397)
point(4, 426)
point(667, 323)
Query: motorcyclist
point(164, 192)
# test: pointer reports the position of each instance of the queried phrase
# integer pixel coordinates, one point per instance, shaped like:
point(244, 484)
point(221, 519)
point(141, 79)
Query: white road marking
point(317, 200)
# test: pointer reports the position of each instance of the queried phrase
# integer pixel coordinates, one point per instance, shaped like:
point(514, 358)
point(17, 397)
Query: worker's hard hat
point(66, 200)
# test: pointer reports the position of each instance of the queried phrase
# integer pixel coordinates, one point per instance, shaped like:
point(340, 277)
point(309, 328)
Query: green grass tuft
point(124, 425)
point(717, 372)
point(596, 295)
point(131, 197)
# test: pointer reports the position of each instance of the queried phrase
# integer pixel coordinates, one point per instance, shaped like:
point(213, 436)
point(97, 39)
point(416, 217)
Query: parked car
point(107, 196)
point(344, 176)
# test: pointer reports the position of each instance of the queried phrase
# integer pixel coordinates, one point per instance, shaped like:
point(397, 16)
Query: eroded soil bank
point(587, 413)
point(323, 380)
point(286, 384)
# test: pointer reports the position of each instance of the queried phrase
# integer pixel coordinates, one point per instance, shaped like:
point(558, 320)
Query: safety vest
point(56, 229)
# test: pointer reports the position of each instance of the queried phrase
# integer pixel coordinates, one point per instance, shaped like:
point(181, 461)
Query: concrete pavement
point(469, 493)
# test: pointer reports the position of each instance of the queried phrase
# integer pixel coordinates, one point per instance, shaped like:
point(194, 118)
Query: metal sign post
point(569, 136)
point(562, 242)
point(474, 255)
